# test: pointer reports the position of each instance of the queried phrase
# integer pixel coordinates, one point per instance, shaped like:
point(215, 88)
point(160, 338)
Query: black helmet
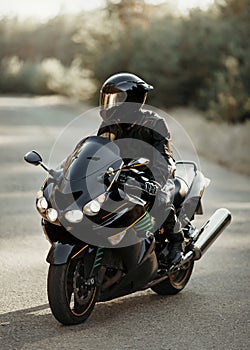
point(121, 88)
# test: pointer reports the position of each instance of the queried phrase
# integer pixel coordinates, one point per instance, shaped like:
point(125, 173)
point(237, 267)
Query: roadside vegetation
point(201, 59)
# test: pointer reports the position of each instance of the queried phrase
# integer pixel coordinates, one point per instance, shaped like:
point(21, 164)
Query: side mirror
point(33, 158)
point(138, 162)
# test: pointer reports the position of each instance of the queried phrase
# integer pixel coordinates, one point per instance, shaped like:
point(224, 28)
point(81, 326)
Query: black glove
point(151, 187)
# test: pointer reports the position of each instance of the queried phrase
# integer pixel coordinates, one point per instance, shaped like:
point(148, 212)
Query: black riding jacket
point(153, 131)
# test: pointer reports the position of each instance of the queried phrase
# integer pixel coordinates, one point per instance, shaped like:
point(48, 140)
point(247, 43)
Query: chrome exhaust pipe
point(210, 231)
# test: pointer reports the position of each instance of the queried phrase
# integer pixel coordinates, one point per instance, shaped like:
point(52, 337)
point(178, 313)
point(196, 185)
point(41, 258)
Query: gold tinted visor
point(109, 100)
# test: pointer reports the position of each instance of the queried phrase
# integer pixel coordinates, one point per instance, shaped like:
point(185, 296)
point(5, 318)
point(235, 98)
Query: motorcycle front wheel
point(175, 282)
point(71, 299)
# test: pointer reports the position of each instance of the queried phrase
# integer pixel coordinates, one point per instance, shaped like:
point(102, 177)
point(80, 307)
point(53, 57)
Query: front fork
point(98, 271)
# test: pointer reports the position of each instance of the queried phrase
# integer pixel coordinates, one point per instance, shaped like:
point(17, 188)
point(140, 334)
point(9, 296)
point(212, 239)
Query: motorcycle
point(104, 245)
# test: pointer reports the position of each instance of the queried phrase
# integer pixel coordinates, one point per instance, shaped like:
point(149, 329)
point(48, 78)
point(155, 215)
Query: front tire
point(70, 299)
point(175, 282)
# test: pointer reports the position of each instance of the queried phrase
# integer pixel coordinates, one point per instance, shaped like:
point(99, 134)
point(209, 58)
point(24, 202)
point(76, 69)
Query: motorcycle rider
point(122, 97)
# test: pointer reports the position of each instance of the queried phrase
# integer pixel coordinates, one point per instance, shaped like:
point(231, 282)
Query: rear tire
point(70, 301)
point(175, 282)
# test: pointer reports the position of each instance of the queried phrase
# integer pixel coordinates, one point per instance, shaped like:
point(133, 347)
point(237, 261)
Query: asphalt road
point(212, 312)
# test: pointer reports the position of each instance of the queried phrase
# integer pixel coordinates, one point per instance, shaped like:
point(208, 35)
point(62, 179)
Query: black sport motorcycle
point(104, 244)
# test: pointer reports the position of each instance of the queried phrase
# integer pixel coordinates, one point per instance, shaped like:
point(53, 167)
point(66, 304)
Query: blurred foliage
point(48, 76)
point(226, 93)
point(201, 59)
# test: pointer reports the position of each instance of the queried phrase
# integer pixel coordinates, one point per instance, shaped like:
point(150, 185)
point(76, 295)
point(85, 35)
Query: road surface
point(212, 312)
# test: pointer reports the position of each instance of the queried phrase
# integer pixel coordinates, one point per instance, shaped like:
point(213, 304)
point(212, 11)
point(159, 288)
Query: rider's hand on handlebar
point(150, 186)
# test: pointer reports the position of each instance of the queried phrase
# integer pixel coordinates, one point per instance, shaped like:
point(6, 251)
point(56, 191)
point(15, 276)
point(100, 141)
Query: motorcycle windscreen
point(85, 167)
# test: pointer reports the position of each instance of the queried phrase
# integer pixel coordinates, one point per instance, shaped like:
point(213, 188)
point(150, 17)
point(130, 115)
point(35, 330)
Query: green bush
point(46, 77)
point(18, 76)
point(226, 92)
point(72, 81)
point(227, 98)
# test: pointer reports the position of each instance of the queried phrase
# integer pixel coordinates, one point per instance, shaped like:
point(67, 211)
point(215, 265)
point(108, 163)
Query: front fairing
point(82, 176)
point(85, 167)
point(81, 180)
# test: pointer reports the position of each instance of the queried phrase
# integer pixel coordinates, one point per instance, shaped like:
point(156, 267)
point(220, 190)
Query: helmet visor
point(109, 100)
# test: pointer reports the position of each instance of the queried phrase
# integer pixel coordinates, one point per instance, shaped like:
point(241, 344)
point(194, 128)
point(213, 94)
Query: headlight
point(93, 207)
point(42, 204)
point(74, 216)
point(52, 214)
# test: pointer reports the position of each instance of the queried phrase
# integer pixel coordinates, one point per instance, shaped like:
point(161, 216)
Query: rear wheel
point(175, 282)
point(71, 296)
